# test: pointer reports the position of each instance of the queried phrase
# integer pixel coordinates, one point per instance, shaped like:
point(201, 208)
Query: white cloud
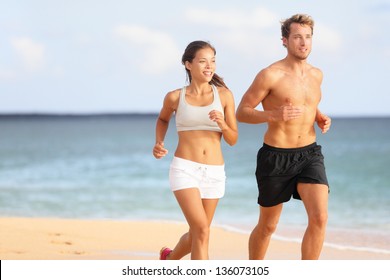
point(30, 52)
point(249, 32)
point(7, 75)
point(257, 18)
point(257, 31)
point(160, 50)
point(326, 38)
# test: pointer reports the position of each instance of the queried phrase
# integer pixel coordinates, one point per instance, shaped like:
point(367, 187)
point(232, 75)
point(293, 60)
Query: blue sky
point(93, 56)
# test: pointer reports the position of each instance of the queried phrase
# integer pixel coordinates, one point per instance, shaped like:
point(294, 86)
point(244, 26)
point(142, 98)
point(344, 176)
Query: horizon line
point(118, 114)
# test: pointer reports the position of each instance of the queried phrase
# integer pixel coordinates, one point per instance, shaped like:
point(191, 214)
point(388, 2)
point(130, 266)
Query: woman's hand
point(159, 151)
point(217, 116)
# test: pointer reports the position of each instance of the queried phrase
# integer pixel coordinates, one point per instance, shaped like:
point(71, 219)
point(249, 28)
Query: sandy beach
point(63, 239)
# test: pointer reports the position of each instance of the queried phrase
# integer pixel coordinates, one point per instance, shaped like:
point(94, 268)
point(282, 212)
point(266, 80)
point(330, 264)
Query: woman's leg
point(199, 214)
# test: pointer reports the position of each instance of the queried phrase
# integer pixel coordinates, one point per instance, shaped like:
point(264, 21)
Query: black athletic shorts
point(279, 171)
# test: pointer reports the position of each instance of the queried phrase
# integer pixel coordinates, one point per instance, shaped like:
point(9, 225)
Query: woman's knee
point(200, 232)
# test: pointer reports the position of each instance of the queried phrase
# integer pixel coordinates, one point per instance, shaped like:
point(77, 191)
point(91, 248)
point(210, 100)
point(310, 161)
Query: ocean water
point(102, 167)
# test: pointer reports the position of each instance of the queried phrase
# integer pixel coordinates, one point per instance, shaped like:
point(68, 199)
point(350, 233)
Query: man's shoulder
point(316, 72)
point(274, 70)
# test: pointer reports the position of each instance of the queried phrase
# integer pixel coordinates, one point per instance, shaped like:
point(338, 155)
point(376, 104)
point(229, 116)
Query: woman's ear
point(187, 64)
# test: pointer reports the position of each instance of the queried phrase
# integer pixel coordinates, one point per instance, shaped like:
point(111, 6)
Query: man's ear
point(284, 41)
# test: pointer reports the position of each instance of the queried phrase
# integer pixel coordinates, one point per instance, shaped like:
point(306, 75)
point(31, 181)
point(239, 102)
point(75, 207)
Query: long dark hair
point(189, 55)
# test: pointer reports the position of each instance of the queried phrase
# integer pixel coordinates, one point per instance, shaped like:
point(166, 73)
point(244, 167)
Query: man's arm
point(257, 92)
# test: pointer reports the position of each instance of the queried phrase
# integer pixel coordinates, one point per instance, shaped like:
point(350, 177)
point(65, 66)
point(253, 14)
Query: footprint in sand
point(68, 243)
point(73, 252)
point(60, 242)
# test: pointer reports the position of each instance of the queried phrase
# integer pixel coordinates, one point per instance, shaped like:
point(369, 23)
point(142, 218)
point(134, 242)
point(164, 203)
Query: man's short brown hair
point(298, 18)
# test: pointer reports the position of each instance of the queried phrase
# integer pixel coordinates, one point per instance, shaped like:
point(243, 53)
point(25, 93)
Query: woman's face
point(203, 66)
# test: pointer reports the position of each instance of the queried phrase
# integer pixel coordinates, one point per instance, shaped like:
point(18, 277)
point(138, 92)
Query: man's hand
point(286, 113)
point(323, 122)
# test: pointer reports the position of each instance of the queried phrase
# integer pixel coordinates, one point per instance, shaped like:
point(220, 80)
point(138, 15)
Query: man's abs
point(289, 135)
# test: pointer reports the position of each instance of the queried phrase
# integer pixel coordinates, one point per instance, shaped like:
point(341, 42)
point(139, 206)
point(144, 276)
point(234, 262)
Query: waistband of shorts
point(290, 150)
point(189, 163)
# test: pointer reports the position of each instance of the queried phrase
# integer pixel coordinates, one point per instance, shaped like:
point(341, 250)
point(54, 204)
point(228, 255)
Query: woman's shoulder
point(223, 91)
point(225, 94)
point(174, 94)
point(171, 99)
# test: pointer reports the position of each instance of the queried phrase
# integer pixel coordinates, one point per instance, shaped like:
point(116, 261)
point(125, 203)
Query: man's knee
point(319, 219)
point(266, 229)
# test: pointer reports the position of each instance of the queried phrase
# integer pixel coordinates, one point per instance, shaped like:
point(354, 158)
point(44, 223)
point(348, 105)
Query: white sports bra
point(190, 117)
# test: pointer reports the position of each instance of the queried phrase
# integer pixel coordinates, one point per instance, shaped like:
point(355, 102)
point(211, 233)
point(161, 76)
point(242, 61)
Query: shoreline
point(370, 242)
point(76, 239)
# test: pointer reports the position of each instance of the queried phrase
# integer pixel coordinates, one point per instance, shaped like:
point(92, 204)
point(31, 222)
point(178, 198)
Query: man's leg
point(261, 234)
point(315, 199)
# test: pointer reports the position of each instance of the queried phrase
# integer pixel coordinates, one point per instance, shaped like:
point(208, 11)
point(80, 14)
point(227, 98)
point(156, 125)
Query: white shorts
point(209, 179)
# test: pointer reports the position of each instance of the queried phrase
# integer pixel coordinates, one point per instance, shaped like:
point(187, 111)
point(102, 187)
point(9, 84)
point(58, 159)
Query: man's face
point(299, 42)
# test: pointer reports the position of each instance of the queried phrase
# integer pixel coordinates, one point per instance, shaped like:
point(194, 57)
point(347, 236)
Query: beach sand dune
point(64, 239)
